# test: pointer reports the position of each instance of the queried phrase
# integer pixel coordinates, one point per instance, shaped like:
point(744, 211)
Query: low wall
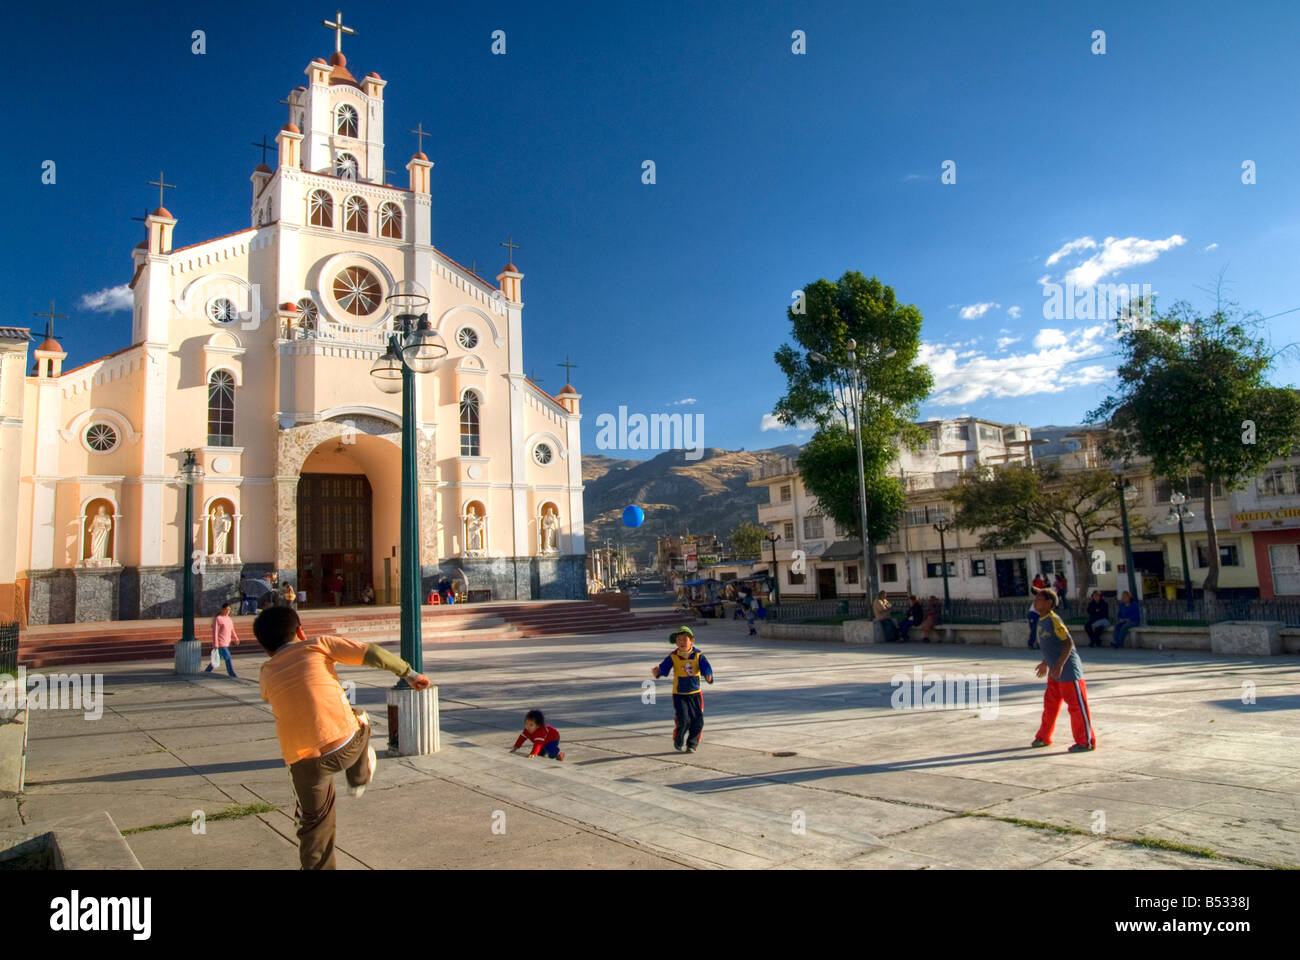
point(619, 601)
point(828, 633)
point(1013, 634)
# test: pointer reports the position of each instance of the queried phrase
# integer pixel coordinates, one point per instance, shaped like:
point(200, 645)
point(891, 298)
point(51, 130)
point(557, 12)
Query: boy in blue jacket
point(687, 665)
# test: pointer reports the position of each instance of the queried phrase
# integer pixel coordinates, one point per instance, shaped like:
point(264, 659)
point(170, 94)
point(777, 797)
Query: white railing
point(341, 334)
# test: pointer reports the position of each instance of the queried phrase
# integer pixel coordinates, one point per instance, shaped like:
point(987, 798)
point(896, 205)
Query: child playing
point(223, 635)
point(1064, 671)
point(546, 740)
point(687, 666)
point(320, 733)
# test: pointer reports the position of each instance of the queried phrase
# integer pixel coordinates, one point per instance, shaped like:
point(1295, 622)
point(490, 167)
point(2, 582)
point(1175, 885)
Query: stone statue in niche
point(221, 524)
point(550, 530)
point(474, 530)
point(101, 528)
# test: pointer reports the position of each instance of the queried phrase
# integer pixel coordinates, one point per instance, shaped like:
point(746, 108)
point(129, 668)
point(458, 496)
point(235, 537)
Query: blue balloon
point(634, 516)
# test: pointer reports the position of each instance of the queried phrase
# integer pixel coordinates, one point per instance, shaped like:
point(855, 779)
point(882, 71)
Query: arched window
point(345, 166)
point(221, 409)
point(469, 445)
point(356, 215)
point(320, 209)
point(345, 120)
point(390, 220)
point(310, 316)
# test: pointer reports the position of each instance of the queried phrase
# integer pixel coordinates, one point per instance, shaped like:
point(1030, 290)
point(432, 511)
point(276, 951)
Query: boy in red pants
point(1064, 671)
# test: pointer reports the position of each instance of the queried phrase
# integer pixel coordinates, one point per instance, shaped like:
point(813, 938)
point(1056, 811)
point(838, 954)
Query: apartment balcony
point(775, 512)
point(773, 470)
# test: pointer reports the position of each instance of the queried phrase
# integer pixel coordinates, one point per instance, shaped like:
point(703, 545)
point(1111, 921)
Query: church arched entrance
point(325, 471)
point(335, 535)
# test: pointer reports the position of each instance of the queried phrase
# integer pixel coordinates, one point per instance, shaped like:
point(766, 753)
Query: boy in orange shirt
point(320, 733)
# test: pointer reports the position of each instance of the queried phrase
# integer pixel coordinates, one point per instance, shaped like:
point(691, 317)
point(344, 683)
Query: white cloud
point(1004, 342)
point(1013, 313)
point(1050, 368)
point(770, 422)
point(977, 310)
point(678, 403)
point(1083, 243)
point(109, 300)
point(1116, 255)
point(1212, 246)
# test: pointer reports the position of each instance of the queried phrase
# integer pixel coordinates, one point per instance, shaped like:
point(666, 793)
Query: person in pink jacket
point(223, 635)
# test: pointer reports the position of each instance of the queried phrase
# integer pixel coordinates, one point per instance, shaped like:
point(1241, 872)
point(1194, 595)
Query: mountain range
point(705, 496)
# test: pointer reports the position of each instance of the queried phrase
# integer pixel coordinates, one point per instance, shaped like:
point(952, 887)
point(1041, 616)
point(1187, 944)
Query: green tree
point(1008, 504)
point(1193, 398)
point(829, 468)
point(747, 541)
point(824, 320)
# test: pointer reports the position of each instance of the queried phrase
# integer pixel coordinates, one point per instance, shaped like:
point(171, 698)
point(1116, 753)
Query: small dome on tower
point(163, 212)
point(296, 89)
point(262, 168)
point(290, 128)
point(142, 245)
point(49, 343)
point(337, 59)
point(373, 74)
point(288, 307)
point(509, 268)
point(568, 389)
point(320, 60)
point(419, 155)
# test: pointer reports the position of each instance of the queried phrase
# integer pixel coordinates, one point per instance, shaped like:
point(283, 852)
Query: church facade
point(254, 350)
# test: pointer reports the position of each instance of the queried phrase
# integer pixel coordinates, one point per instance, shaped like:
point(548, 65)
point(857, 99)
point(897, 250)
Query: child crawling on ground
point(546, 740)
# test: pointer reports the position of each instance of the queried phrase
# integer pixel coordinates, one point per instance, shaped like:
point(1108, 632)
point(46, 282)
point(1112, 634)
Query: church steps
point(65, 644)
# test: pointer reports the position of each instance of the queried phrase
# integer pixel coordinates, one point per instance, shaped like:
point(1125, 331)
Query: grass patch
point(230, 813)
point(1150, 843)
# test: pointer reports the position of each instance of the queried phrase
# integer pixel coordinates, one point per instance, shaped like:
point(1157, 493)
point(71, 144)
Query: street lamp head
point(817, 357)
point(891, 352)
point(191, 471)
point(387, 371)
point(1177, 499)
point(424, 347)
point(408, 299)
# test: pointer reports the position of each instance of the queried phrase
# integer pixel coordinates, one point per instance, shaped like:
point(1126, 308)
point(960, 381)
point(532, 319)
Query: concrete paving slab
point(879, 787)
point(977, 843)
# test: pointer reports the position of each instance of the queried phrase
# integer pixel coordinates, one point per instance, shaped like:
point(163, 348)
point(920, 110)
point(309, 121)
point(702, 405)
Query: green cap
point(672, 637)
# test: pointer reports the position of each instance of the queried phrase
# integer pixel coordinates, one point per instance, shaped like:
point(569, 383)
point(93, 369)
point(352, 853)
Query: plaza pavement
point(1181, 759)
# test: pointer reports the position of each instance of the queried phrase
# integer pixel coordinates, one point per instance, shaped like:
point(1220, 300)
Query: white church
point(254, 350)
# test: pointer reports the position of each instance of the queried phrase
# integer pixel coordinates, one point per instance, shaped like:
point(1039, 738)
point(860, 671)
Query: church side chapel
point(255, 351)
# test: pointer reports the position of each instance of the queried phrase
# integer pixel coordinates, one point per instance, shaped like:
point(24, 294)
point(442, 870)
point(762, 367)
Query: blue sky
point(772, 170)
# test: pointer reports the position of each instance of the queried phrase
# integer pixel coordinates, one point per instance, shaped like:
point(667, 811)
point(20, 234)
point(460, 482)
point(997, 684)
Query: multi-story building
point(1258, 527)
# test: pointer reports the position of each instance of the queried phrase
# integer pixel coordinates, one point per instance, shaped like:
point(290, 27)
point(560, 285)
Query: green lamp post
point(188, 650)
point(413, 348)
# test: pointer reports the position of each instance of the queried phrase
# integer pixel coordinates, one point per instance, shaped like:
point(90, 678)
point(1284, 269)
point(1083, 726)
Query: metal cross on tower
point(567, 367)
point(511, 247)
point(421, 133)
point(161, 185)
point(339, 30)
point(49, 321)
point(264, 146)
